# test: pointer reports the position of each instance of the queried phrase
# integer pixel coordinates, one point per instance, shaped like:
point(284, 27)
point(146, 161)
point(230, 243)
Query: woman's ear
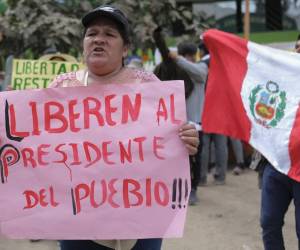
point(125, 51)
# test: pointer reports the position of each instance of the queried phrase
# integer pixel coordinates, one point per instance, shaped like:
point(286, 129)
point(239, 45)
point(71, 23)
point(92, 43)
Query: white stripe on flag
point(267, 64)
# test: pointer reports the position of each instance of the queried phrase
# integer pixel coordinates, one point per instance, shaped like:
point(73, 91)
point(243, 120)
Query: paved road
point(227, 218)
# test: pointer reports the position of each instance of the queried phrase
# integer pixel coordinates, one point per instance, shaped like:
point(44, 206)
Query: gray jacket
point(198, 74)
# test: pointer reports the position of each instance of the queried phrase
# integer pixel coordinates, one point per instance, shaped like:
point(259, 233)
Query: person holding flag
point(258, 101)
point(278, 190)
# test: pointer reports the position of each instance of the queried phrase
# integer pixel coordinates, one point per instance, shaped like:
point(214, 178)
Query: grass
point(274, 36)
point(260, 37)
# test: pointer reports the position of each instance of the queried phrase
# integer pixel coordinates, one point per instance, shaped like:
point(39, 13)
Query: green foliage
point(37, 25)
point(252, 98)
point(3, 6)
point(30, 27)
point(146, 16)
point(280, 109)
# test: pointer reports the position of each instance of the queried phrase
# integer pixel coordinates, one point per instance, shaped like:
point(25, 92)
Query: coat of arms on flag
point(267, 104)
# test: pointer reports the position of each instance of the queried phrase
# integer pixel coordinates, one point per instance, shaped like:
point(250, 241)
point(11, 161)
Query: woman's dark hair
point(186, 49)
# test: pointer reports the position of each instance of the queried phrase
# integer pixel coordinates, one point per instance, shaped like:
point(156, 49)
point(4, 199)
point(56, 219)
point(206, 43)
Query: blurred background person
point(238, 151)
point(220, 156)
point(186, 59)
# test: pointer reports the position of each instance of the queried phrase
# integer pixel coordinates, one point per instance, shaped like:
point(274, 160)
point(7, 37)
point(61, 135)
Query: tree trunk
point(260, 7)
point(239, 16)
point(273, 15)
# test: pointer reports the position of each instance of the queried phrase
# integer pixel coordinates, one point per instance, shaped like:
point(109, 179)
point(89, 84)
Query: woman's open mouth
point(98, 50)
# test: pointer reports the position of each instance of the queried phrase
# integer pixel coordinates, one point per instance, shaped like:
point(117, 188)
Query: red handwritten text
point(59, 118)
point(134, 193)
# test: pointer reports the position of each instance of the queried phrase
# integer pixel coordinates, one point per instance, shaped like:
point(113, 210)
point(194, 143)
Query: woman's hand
point(189, 135)
point(173, 55)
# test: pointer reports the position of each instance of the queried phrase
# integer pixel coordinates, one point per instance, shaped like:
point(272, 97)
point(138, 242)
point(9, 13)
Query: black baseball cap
point(110, 12)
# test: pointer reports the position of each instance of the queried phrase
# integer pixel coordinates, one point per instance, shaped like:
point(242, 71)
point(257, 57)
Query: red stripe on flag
point(224, 112)
point(294, 149)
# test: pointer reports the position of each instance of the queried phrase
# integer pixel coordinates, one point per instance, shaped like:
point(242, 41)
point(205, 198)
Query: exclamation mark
point(73, 202)
point(2, 174)
point(186, 186)
point(180, 192)
point(174, 192)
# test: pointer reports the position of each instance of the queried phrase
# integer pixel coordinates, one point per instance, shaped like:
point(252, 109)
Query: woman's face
point(103, 47)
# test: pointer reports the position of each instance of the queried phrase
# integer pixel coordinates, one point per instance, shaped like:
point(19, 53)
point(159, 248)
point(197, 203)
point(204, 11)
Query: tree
point(146, 16)
point(239, 16)
point(3, 6)
point(32, 26)
point(274, 11)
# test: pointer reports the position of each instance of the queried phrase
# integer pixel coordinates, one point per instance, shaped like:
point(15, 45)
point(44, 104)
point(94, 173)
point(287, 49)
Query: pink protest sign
point(98, 162)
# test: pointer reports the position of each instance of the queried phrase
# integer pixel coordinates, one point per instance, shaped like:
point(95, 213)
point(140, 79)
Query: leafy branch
point(252, 98)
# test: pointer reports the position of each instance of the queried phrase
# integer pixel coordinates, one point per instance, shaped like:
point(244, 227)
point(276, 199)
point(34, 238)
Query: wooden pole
point(247, 20)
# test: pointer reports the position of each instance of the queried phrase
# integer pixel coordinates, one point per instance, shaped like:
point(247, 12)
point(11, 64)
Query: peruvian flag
point(253, 94)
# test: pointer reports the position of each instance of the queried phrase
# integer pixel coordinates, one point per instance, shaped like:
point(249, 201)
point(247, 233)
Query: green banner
point(33, 74)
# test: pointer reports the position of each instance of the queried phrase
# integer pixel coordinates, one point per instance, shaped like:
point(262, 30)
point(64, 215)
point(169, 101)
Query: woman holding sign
point(105, 45)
